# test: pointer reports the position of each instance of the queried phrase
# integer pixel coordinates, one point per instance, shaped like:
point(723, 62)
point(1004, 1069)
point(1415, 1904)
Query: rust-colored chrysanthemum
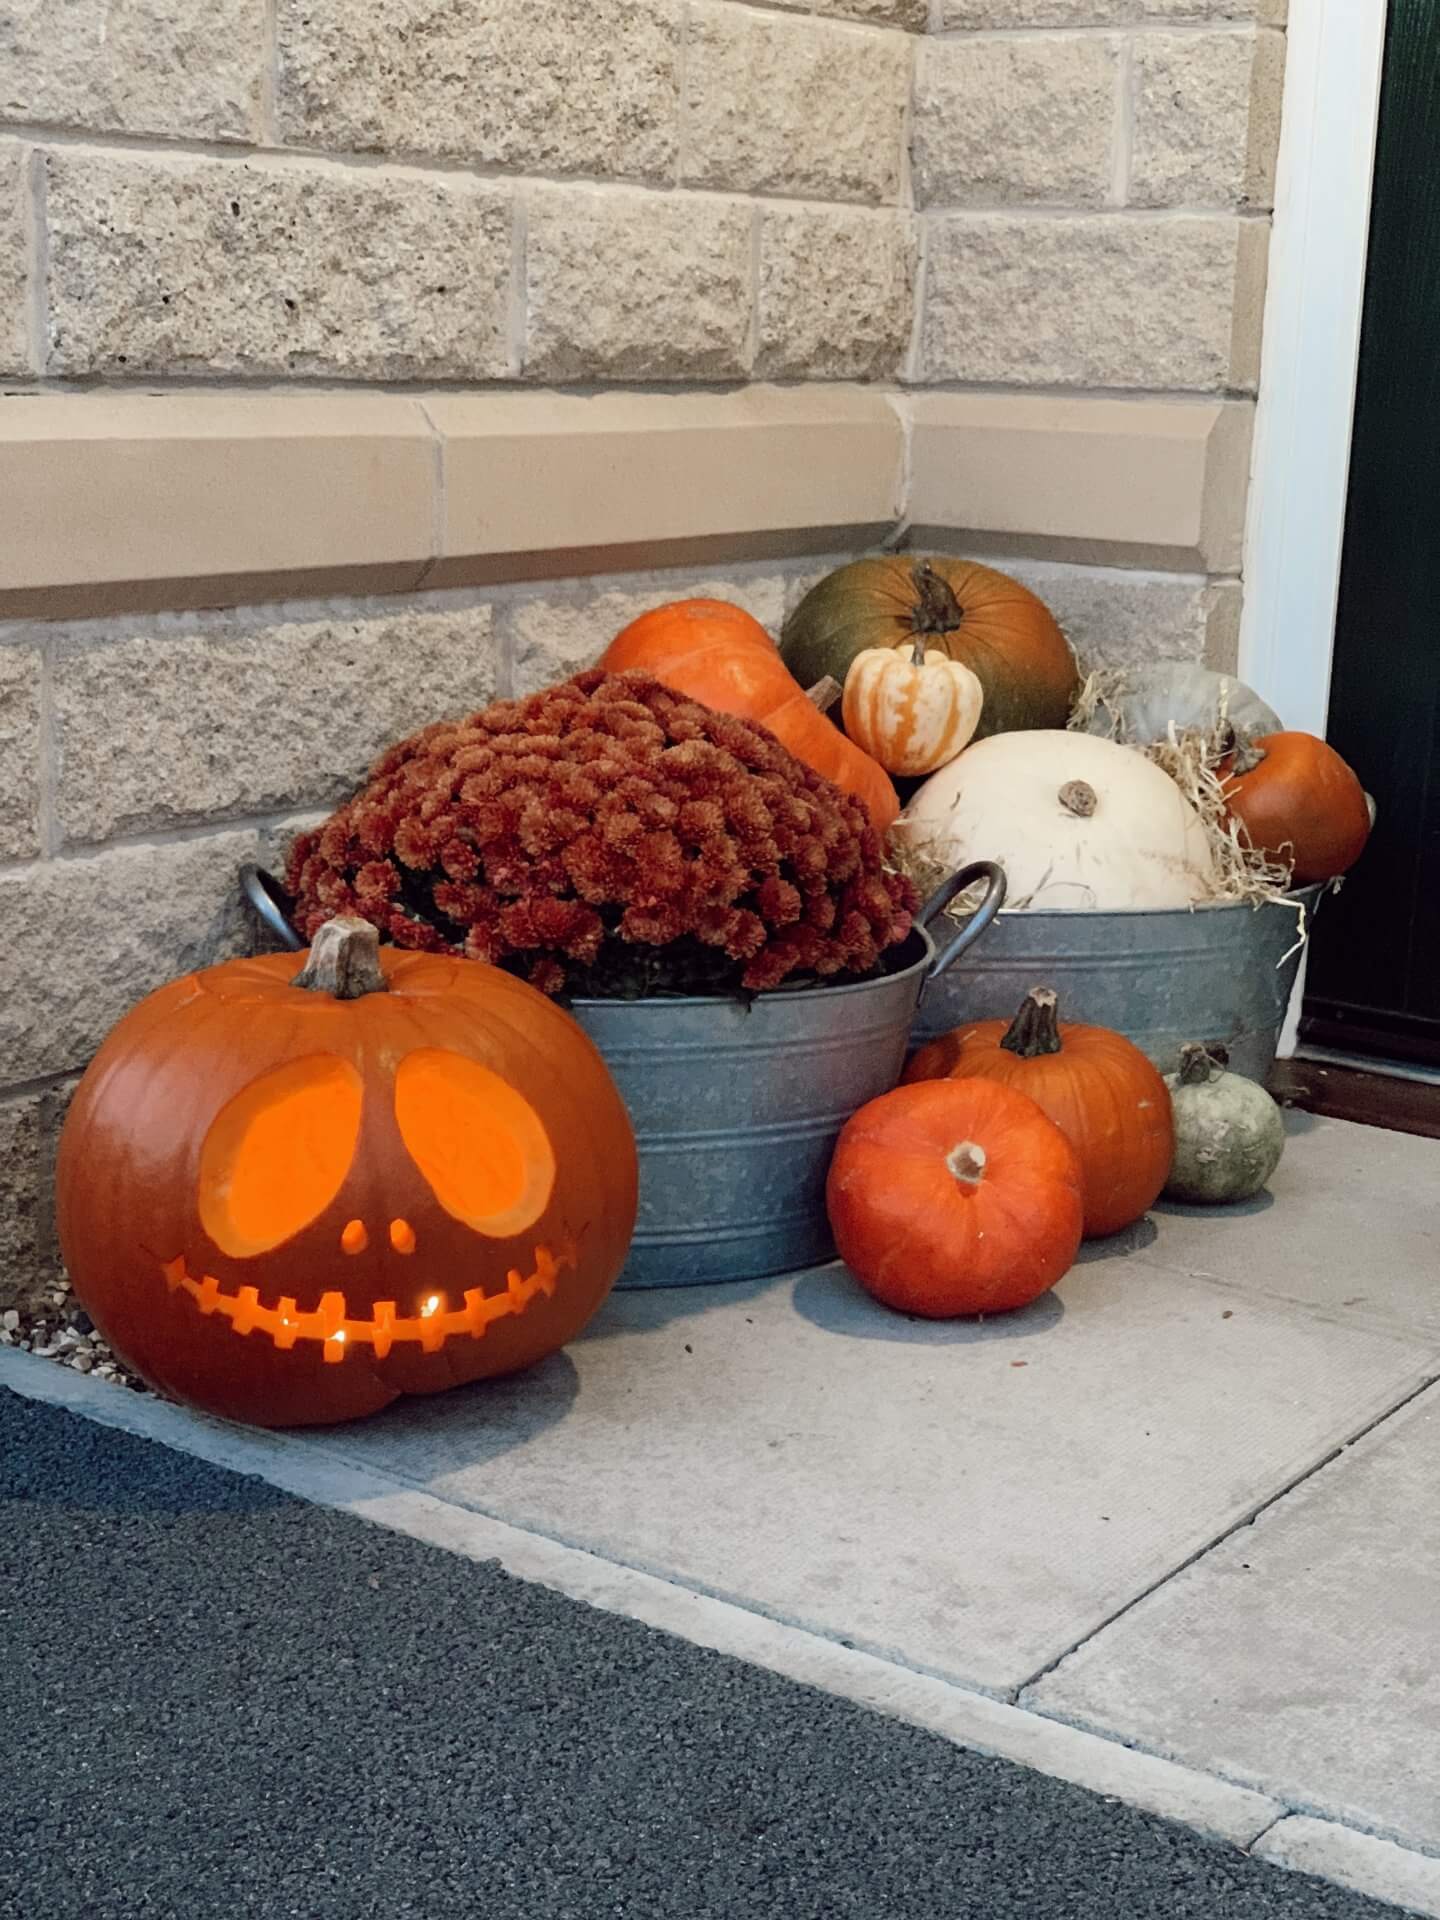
point(608, 836)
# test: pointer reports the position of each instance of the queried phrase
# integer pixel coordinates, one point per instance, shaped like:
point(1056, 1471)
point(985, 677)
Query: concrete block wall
point(1011, 196)
point(1093, 181)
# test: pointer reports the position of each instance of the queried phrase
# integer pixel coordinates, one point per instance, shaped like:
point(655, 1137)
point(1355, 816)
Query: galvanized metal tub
point(1214, 974)
point(737, 1107)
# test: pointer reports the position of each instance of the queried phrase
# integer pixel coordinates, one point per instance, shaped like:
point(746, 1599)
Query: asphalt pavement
point(221, 1701)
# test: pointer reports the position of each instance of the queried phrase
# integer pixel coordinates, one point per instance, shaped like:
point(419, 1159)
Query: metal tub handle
point(272, 904)
point(994, 898)
point(273, 907)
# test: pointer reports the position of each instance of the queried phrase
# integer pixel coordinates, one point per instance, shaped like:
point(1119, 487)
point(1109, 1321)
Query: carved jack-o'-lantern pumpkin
point(290, 1193)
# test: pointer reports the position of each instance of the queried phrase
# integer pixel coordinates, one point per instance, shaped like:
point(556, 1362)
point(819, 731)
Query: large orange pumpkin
point(1099, 1089)
point(719, 655)
point(954, 1196)
point(1297, 798)
point(1005, 634)
point(290, 1197)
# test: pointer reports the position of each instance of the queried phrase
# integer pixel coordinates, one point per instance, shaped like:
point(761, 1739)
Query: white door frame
point(1301, 460)
point(1300, 465)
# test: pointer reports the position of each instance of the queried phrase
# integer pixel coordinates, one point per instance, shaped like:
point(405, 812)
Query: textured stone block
point(801, 107)
point(1116, 618)
point(29, 1255)
point(1207, 118)
point(86, 939)
point(186, 265)
point(20, 671)
point(1015, 120)
point(135, 66)
point(960, 14)
point(555, 86)
point(14, 261)
point(637, 286)
point(1093, 302)
point(837, 293)
point(565, 630)
point(913, 15)
point(222, 716)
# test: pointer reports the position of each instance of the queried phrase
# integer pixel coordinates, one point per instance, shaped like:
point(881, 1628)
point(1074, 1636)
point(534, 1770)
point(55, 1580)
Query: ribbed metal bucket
point(1221, 973)
point(737, 1108)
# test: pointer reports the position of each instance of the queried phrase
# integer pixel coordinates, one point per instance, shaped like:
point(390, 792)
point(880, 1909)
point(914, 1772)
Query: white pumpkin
point(913, 712)
point(1076, 822)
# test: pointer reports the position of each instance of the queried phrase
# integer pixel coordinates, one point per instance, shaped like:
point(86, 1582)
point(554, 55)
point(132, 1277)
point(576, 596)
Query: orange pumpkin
point(1099, 1089)
point(717, 654)
point(291, 1196)
point(955, 1196)
point(1297, 798)
point(1005, 634)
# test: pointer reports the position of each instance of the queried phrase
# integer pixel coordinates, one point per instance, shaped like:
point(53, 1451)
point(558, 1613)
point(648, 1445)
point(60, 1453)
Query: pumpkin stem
point(967, 1162)
point(1036, 1027)
point(344, 960)
point(1197, 1065)
point(937, 609)
point(1079, 797)
point(917, 657)
point(825, 692)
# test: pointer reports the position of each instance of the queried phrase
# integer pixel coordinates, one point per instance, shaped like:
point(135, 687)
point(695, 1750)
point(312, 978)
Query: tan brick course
point(186, 265)
point(837, 293)
point(1207, 118)
point(169, 67)
point(544, 86)
point(237, 717)
point(1015, 120)
point(637, 286)
point(1093, 301)
point(793, 106)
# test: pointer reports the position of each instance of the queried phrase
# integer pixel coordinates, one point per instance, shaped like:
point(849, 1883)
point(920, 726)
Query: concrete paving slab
point(971, 1500)
point(1350, 1225)
point(1375, 1867)
point(1301, 1657)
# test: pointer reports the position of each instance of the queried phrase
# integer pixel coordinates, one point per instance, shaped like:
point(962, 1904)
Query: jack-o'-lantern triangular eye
point(277, 1154)
point(479, 1143)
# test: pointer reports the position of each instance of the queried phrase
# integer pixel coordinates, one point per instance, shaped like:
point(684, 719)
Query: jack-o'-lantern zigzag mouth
point(339, 1333)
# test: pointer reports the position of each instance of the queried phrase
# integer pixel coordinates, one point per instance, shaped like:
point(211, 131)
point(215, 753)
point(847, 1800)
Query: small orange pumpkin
point(291, 1191)
point(1296, 797)
point(719, 655)
point(954, 1196)
point(913, 714)
point(1099, 1089)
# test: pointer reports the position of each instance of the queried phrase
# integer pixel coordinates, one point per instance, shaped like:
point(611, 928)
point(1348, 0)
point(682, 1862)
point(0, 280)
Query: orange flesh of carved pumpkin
point(717, 654)
point(1303, 801)
point(977, 615)
point(289, 1208)
point(955, 1196)
point(1099, 1089)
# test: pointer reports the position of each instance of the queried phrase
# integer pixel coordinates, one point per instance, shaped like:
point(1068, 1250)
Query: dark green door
point(1374, 976)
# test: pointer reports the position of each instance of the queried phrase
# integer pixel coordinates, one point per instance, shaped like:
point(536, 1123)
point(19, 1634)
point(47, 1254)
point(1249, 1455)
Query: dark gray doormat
point(219, 1701)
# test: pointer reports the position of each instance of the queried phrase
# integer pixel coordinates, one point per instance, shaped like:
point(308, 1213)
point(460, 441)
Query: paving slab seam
point(1249, 1519)
point(1223, 1810)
